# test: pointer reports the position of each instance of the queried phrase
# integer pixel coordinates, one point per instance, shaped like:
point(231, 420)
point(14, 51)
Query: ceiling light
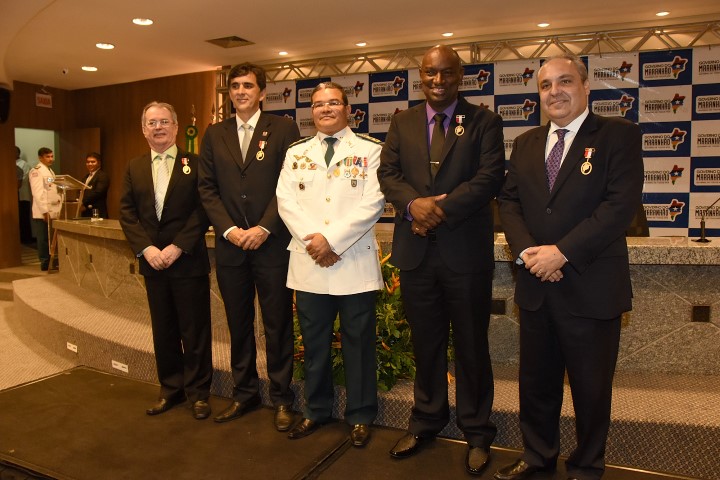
point(662, 14)
point(105, 46)
point(361, 44)
point(283, 53)
point(89, 69)
point(142, 21)
point(447, 34)
point(543, 25)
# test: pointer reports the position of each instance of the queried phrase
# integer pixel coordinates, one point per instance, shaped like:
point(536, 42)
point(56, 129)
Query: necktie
point(162, 177)
point(247, 136)
point(436, 144)
point(330, 150)
point(554, 159)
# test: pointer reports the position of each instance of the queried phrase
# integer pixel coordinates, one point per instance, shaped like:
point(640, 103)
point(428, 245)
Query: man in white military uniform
point(46, 203)
point(329, 197)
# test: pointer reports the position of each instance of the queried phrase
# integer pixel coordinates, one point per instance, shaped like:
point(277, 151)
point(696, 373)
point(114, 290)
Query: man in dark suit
point(441, 165)
point(164, 222)
point(240, 161)
point(565, 220)
point(95, 197)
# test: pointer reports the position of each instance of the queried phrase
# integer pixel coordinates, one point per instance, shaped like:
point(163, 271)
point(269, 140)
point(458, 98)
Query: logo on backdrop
point(388, 89)
point(512, 79)
point(664, 213)
point(475, 82)
point(663, 141)
point(664, 70)
point(613, 108)
point(707, 104)
point(357, 118)
point(663, 177)
point(611, 73)
point(517, 112)
point(707, 176)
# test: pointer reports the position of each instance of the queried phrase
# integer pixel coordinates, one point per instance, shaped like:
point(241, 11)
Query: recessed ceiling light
point(142, 21)
point(543, 25)
point(662, 14)
point(283, 53)
point(361, 44)
point(105, 46)
point(447, 34)
point(89, 69)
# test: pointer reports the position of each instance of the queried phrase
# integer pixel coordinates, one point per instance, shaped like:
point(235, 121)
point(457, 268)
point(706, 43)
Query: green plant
point(393, 343)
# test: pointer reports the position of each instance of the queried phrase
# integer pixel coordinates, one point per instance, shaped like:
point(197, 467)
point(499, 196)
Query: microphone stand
point(702, 238)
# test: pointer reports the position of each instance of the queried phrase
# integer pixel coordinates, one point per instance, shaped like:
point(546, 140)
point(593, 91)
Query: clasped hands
point(545, 262)
point(320, 250)
point(162, 259)
point(427, 214)
point(249, 239)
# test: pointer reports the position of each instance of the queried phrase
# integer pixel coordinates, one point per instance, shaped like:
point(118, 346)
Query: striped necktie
point(162, 178)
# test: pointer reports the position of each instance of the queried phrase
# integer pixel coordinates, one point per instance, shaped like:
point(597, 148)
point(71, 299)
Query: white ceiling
point(41, 38)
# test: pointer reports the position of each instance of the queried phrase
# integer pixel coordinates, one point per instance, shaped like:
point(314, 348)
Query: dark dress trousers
point(572, 324)
point(241, 192)
point(447, 279)
point(96, 197)
point(179, 296)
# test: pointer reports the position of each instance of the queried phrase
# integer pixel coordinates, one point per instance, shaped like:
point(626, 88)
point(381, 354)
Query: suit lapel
point(230, 137)
point(421, 127)
point(451, 137)
point(175, 174)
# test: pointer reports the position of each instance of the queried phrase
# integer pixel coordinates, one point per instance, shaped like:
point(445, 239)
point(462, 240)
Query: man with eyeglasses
point(240, 160)
point(165, 224)
point(442, 164)
point(329, 197)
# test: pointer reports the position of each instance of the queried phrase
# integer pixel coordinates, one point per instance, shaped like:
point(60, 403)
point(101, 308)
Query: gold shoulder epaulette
point(302, 140)
point(369, 138)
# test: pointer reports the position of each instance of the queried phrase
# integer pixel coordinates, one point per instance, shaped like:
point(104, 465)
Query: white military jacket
point(46, 198)
point(342, 202)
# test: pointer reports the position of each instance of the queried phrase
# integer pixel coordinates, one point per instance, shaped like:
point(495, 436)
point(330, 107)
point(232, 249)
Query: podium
point(64, 183)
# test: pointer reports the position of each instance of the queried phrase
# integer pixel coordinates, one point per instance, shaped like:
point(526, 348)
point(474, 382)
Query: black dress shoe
point(201, 410)
point(407, 446)
point(360, 435)
point(283, 418)
point(476, 460)
point(303, 429)
point(163, 405)
point(518, 471)
point(238, 409)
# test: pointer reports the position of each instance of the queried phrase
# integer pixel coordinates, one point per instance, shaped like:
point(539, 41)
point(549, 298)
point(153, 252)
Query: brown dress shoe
point(238, 409)
point(407, 446)
point(283, 418)
point(360, 435)
point(303, 429)
point(201, 410)
point(518, 471)
point(163, 405)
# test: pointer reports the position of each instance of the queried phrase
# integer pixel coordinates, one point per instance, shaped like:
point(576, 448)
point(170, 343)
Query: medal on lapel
point(186, 167)
point(586, 166)
point(261, 145)
point(459, 130)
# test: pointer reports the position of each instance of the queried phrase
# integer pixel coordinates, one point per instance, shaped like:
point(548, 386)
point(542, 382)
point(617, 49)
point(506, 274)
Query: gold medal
point(586, 168)
point(186, 170)
point(459, 130)
point(260, 155)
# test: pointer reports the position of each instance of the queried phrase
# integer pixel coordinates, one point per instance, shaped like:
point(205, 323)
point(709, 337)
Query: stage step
point(660, 422)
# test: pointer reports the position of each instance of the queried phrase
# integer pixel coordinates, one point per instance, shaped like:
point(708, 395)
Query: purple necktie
point(552, 166)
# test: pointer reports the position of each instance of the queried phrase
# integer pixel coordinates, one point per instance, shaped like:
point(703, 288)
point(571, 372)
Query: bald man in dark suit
point(572, 189)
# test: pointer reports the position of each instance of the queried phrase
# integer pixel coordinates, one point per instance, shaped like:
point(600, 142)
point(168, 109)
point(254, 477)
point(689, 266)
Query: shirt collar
point(252, 122)
point(573, 126)
point(339, 135)
point(172, 152)
point(430, 112)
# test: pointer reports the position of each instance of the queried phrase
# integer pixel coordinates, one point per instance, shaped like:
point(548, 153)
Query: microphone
point(702, 238)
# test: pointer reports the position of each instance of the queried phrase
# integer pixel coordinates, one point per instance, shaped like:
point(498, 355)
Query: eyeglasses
point(158, 123)
point(331, 103)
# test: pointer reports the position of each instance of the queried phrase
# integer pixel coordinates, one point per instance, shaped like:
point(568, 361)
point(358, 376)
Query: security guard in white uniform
point(329, 197)
point(46, 204)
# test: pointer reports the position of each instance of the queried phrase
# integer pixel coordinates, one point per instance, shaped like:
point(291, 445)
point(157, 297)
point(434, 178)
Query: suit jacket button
point(242, 175)
point(548, 211)
point(243, 196)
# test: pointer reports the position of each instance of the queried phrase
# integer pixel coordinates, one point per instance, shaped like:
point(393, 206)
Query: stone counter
point(674, 326)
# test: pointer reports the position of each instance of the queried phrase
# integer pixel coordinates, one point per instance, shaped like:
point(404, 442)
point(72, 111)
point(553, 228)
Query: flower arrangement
point(395, 358)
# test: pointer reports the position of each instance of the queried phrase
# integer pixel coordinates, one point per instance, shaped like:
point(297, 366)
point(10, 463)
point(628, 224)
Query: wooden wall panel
point(116, 110)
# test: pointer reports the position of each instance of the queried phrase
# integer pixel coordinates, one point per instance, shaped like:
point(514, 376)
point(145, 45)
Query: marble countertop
point(643, 250)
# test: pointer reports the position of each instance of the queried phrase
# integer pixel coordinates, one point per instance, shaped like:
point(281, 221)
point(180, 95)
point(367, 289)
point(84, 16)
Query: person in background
point(24, 198)
point(165, 224)
point(46, 204)
point(572, 189)
point(329, 198)
point(95, 197)
point(442, 164)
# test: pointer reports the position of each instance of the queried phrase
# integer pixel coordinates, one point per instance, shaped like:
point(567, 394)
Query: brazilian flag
point(191, 133)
